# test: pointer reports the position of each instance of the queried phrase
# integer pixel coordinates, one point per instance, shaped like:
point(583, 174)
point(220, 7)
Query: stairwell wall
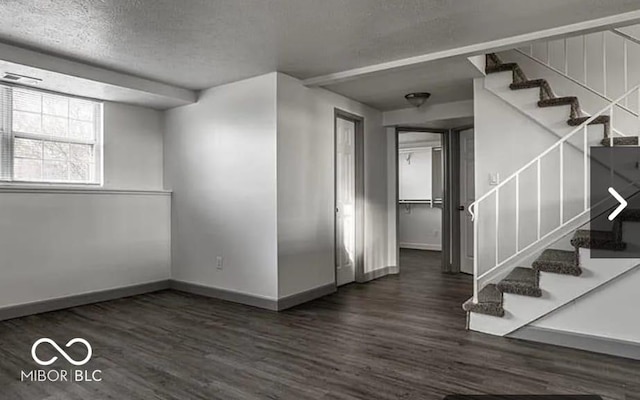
point(608, 312)
point(506, 140)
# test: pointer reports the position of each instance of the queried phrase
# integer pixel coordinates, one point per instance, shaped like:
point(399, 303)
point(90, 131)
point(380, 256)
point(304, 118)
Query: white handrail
point(474, 207)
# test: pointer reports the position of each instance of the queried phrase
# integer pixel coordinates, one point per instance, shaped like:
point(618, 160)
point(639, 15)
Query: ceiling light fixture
point(417, 99)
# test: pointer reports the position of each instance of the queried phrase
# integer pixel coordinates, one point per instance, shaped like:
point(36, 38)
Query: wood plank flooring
point(400, 337)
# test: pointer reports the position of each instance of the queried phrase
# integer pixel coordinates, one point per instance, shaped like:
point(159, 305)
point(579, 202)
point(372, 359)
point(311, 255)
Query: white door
point(467, 196)
point(345, 201)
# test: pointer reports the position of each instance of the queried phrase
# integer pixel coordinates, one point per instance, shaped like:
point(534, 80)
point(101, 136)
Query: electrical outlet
point(219, 262)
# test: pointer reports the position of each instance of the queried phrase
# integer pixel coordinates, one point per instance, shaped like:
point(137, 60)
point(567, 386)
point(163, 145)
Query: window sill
point(77, 189)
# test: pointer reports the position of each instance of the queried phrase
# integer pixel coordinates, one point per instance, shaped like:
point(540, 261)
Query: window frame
point(8, 137)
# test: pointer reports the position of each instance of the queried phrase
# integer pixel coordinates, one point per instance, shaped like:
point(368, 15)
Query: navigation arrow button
point(621, 200)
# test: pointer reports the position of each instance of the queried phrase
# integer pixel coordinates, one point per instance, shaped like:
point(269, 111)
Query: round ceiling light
point(417, 99)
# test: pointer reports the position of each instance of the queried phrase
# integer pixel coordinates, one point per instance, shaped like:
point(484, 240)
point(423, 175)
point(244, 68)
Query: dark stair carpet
point(522, 281)
point(621, 141)
point(489, 302)
point(558, 262)
point(601, 119)
point(545, 89)
point(547, 98)
point(591, 239)
point(563, 101)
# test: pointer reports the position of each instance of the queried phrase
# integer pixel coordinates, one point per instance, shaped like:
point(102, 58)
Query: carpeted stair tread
point(545, 89)
point(621, 141)
point(558, 262)
point(592, 239)
point(602, 119)
point(522, 281)
point(518, 75)
point(489, 302)
point(563, 101)
point(493, 59)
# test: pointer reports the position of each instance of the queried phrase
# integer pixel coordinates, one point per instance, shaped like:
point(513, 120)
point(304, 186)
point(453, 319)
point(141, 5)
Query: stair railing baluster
point(625, 61)
point(548, 54)
point(566, 57)
point(586, 167)
point(561, 183)
point(638, 117)
point(604, 63)
point(517, 213)
point(497, 226)
point(539, 199)
point(584, 57)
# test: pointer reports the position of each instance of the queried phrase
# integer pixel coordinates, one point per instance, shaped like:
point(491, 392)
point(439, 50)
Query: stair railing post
point(476, 210)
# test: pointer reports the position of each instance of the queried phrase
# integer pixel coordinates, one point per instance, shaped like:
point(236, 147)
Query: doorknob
point(460, 208)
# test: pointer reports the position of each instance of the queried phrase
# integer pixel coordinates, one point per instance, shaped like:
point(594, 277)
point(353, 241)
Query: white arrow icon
point(621, 200)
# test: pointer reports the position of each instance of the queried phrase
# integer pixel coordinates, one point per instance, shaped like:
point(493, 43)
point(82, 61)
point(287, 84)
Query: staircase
point(527, 293)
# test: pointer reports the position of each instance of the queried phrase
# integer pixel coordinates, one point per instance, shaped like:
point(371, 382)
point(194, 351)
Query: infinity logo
point(71, 342)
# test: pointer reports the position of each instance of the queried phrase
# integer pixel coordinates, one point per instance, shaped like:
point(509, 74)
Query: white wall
point(220, 162)
point(306, 185)
point(61, 243)
point(133, 147)
point(608, 312)
point(420, 227)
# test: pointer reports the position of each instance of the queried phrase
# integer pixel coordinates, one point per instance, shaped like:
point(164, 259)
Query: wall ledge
point(79, 190)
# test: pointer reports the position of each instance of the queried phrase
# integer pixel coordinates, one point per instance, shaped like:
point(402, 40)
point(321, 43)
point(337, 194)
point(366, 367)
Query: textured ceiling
point(201, 43)
point(447, 80)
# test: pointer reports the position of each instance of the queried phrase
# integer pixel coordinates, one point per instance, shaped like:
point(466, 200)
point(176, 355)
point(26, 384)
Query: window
point(49, 138)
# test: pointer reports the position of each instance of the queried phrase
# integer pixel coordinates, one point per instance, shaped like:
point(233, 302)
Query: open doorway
point(420, 178)
point(434, 187)
point(349, 197)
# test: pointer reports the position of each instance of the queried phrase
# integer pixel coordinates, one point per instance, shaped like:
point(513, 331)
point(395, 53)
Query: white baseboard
point(614, 347)
point(421, 246)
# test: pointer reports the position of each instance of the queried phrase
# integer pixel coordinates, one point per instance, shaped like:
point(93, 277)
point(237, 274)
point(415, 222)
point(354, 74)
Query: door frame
point(457, 219)
point(446, 227)
point(359, 191)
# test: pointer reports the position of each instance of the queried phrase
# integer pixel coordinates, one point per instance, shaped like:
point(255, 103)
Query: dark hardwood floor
point(400, 337)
